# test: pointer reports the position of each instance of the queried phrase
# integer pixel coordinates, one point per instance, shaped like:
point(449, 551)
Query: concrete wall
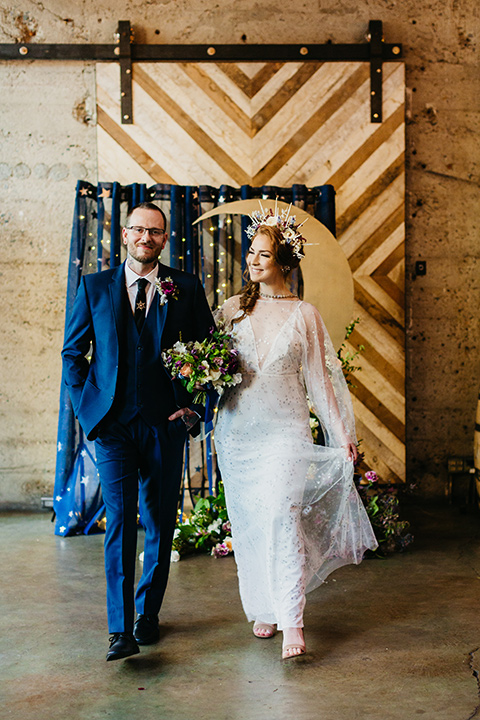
point(48, 142)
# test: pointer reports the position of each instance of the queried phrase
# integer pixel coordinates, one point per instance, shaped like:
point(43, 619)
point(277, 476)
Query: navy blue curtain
point(215, 252)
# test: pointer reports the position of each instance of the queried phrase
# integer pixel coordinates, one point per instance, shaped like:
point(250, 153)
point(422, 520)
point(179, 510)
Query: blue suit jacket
point(97, 320)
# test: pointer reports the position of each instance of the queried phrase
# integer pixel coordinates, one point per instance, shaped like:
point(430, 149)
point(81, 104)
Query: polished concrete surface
point(392, 639)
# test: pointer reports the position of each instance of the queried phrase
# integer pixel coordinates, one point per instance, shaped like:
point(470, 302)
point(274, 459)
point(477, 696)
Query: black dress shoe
point(122, 645)
point(146, 629)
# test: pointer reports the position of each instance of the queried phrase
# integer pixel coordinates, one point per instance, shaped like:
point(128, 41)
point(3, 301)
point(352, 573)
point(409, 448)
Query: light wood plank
point(389, 152)
point(264, 75)
point(114, 162)
point(308, 128)
point(376, 356)
point(237, 76)
point(220, 98)
point(376, 335)
point(378, 186)
point(346, 130)
point(279, 99)
point(228, 86)
point(379, 244)
point(376, 406)
point(189, 126)
point(273, 86)
point(372, 215)
point(369, 286)
point(393, 449)
point(397, 273)
point(378, 384)
point(385, 256)
point(251, 69)
point(200, 116)
point(181, 158)
point(371, 306)
point(376, 458)
point(312, 97)
point(131, 148)
point(370, 146)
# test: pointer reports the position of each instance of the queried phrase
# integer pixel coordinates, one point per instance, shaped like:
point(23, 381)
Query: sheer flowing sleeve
point(226, 312)
point(325, 384)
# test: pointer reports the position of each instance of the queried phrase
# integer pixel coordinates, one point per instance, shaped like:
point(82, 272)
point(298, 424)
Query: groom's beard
point(140, 254)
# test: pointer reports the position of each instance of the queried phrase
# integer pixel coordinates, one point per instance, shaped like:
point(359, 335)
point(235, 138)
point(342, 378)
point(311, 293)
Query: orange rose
point(186, 370)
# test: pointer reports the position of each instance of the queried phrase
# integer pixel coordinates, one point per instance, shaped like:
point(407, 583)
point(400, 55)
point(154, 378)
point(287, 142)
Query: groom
point(125, 400)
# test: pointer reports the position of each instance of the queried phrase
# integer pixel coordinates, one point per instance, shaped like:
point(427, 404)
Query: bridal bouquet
point(202, 366)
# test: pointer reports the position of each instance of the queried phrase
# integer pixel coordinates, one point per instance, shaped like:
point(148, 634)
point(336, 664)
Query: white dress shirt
point(131, 278)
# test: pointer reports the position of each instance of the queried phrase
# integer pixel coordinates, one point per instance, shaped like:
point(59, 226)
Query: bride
point(294, 510)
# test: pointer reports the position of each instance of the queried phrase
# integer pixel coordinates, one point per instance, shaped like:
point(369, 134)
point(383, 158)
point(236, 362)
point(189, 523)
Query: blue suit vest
point(142, 379)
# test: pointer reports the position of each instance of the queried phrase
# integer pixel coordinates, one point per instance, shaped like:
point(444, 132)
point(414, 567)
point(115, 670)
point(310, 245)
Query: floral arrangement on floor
point(207, 529)
point(383, 508)
point(211, 364)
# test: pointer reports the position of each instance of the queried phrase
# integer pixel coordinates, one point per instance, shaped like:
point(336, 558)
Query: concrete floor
point(393, 639)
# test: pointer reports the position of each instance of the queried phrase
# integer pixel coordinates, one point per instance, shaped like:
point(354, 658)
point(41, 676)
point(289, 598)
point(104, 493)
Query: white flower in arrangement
point(214, 374)
point(176, 533)
point(236, 380)
point(174, 556)
point(272, 221)
point(289, 234)
point(215, 526)
point(180, 347)
point(313, 423)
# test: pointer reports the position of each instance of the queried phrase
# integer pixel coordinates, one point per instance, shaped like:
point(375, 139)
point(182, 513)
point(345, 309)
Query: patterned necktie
point(141, 303)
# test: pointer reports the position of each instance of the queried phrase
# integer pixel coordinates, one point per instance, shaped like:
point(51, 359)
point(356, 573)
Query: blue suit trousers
point(130, 456)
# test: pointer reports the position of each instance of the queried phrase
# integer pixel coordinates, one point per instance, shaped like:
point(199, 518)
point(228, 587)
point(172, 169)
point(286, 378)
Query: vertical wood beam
point(375, 38)
point(125, 38)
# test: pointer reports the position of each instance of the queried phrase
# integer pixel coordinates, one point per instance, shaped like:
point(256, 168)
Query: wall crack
point(473, 665)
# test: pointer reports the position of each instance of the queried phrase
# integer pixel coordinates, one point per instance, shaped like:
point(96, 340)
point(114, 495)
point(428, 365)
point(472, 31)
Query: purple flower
point(220, 550)
point(371, 476)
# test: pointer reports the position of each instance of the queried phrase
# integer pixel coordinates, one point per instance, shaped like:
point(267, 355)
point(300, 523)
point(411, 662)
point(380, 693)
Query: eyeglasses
point(154, 232)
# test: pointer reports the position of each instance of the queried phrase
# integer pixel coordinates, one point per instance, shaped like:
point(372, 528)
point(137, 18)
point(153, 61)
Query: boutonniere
point(166, 289)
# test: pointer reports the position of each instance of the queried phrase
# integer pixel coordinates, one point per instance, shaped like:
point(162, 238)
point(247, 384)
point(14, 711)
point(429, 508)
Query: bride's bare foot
point(264, 630)
point(293, 643)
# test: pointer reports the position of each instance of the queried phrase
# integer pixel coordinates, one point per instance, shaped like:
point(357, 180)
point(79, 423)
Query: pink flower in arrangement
point(222, 549)
point(226, 527)
point(371, 476)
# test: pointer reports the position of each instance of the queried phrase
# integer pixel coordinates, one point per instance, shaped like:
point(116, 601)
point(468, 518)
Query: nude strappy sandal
point(297, 646)
point(268, 630)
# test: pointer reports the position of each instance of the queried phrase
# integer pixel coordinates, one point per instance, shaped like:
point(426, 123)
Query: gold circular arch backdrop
point(328, 281)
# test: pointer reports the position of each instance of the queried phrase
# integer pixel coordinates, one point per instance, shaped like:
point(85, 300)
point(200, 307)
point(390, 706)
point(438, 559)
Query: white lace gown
point(295, 513)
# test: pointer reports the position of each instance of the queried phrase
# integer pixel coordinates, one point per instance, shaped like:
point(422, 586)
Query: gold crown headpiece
point(284, 222)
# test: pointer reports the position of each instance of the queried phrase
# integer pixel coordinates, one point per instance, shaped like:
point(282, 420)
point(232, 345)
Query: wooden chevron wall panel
point(280, 124)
